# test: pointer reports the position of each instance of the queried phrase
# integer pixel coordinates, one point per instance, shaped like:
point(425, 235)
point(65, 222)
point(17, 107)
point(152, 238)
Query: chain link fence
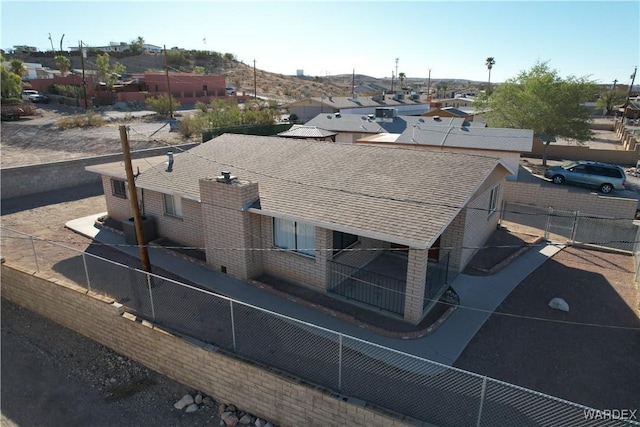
point(573, 227)
point(358, 371)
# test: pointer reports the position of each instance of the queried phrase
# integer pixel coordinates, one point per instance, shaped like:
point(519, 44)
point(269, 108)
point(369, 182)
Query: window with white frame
point(493, 199)
point(118, 188)
point(295, 236)
point(172, 205)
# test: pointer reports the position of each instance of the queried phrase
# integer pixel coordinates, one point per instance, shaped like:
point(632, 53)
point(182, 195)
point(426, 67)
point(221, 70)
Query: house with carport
point(384, 228)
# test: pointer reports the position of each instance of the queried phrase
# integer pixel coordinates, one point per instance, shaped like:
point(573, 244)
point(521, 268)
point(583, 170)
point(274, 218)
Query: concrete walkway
point(479, 296)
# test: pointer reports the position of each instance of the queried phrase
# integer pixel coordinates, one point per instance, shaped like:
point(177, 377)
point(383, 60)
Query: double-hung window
point(172, 205)
point(295, 236)
point(118, 188)
point(493, 199)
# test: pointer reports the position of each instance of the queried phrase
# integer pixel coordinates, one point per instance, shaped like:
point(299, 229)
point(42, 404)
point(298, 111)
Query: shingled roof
point(401, 195)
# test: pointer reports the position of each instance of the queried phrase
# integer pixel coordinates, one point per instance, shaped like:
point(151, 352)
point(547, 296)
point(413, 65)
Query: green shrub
point(90, 119)
point(163, 104)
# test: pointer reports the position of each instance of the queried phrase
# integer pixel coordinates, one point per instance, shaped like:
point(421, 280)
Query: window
point(172, 205)
point(118, 188)
point(493, 199)
point(295, 236)
point(342, 241)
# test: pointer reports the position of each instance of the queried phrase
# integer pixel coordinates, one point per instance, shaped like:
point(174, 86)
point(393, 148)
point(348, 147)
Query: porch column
point(324, 242)
point(416, 279)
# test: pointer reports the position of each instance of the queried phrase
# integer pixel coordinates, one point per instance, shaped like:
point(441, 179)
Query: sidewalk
point(479, 296)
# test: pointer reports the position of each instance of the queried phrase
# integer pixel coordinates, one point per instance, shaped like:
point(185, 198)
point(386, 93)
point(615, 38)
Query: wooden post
point(133, 196)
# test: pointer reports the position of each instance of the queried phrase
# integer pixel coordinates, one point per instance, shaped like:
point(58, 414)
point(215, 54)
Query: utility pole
point(615, 81)
point(84, 82)
point(166, 70)
point(429, 86)
point(392, 82)
point(397, 67)
point(255, 82)
point(353, 84)
point(133, 196)
point(633, 79)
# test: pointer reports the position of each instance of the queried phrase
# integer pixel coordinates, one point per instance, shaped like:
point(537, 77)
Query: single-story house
point(382, 227)
point(351, 127)
point(308, 108)
point(504, 143)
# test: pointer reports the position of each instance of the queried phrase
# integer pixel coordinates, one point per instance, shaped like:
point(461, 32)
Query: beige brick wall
point(117, 207)
point(230, 231)
point(252, 388)
point(186, 230)
point(291, 265)
point(480, 224)
point(416, 279)
point(571, 199)
point(577, 152)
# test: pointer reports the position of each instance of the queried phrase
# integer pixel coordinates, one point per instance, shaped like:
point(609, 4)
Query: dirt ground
point(37, 139)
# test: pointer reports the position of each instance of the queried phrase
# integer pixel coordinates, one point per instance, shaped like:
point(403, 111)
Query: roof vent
point(226, 177)
point(337, 114)
point(371, 116)
point(170, 161)
point(436, 118)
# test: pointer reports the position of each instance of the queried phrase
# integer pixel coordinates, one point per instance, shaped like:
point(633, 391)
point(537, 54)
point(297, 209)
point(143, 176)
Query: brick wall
point(32, 179)
point(480, 223)
point(227, 224)
point(576, 152)
point(252, 388)
point(571, 199)
point(186, 231)
point(117, 207)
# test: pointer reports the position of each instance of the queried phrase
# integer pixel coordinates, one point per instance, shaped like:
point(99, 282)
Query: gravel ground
point(52, 376)
point(37, 139)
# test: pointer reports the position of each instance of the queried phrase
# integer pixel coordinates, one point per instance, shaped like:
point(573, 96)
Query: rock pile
point(230, 416)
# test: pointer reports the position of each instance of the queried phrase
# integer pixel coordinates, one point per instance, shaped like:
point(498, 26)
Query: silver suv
point(602, 176)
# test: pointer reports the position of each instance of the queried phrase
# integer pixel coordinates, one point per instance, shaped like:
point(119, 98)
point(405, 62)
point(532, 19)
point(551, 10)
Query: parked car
point(231, 91)
point(34, 96)
point(603, 176)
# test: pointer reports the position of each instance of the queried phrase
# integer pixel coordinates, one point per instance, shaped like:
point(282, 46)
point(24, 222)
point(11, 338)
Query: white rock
point(268, 425)
point(559, 304)
point(191, 408)
point(260, 423)
point(198, 398)
point(186, 400)
point(245, 419)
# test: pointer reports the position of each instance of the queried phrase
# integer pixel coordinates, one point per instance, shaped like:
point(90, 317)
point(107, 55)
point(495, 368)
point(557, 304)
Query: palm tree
point(402, 76)
point(490, 62)
point(63, 63)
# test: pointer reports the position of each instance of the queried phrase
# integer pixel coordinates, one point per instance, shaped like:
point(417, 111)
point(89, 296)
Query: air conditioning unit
point(386, 113)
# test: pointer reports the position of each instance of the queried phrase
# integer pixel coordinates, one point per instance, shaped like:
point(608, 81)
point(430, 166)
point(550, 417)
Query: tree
point(610, 99)
point(402, 76)
point(490, 62)
point(541, 100)
point(63, 63)
point(11, 83)
point(106, 72)
point(198, 70)
point(18, 68)
point(137, 45)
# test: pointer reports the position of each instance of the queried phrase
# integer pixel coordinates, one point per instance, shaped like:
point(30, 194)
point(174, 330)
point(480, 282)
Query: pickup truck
point(34, 96)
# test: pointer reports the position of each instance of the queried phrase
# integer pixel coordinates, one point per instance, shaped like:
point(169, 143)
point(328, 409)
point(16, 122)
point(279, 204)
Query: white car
point(34, 96)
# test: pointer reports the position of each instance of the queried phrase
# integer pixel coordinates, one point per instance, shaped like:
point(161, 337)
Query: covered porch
point(394, 281)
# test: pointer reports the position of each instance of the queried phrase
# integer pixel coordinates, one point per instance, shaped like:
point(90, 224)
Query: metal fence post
point(153, 311)
point(482, 394)
point(574, 231)
point(233, 326)
point(548, 226)
point(35, 255)
point(339, 362)
point(86, 271)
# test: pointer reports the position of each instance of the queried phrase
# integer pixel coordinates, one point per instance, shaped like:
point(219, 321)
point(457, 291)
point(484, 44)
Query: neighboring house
point(468, 113)
point(121, 47)
point(383, 227)
point(352, 127)
point(308, 108)
point(308, 132)
point(505, 144)
point(452, 102)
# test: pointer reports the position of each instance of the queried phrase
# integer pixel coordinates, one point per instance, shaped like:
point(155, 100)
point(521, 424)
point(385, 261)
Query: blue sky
point(452, 38)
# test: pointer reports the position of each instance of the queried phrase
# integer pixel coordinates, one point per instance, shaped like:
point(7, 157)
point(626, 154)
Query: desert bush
point(90, 119)
point(163, 104)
